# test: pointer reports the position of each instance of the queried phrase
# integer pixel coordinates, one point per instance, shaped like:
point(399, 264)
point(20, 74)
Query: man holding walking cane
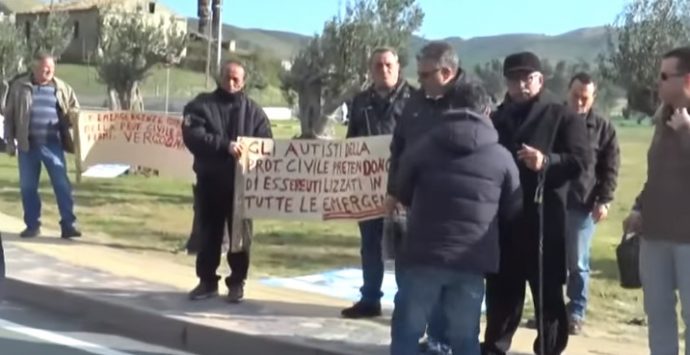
point(549, 143)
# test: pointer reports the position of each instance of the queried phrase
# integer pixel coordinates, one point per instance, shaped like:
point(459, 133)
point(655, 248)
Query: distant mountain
point(283, 45)
point(579, 44)
point(585, 43)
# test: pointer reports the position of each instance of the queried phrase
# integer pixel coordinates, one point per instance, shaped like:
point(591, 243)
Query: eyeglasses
point(666, 76)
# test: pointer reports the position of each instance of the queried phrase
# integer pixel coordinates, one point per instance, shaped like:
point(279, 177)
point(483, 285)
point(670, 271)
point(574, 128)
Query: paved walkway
point(144, 293)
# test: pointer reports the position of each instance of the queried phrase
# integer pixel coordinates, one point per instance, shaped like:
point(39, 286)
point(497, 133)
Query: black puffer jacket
point(458, 182)
point(212, 120)
point(421, 114)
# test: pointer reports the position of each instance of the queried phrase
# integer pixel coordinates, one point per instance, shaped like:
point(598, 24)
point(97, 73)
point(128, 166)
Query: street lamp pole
point(218, 9)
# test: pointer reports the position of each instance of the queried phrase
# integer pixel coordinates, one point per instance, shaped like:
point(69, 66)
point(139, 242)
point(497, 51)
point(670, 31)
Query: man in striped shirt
point(38, 115)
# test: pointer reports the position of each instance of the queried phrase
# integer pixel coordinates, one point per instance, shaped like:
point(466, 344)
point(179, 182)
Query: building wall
point(85, 26)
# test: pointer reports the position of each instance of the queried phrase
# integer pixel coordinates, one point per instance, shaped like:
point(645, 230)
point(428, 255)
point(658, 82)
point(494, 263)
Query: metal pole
point(209, 37)
point(167, 88)
point(219, 6)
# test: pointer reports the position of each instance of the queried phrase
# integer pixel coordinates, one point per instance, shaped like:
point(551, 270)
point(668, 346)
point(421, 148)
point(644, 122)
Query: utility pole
point(209, 38)
point(217, 10)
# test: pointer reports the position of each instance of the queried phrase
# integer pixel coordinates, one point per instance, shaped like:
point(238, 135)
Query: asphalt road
point(26, 331)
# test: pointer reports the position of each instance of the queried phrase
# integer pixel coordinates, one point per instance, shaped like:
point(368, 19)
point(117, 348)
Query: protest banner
point(144, 139)
point(313, 179)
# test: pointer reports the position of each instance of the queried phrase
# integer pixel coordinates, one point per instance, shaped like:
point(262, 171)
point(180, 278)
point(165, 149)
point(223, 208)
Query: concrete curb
point(151, 327)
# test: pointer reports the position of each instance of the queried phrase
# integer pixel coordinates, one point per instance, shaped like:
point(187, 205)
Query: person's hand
point(679, 120)
point(600, 212)
point(531, 157)
point(633, 223)
point(390, 205)
point(235, 149)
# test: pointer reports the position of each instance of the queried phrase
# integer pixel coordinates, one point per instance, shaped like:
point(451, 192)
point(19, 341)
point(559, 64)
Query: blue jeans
point(578, 243)
point(372, 260)
point(664, 269)
point(420, 290)
point(53, 157)
point(372, 275)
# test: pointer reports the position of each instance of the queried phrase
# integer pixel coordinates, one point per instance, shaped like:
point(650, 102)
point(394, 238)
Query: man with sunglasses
point(661, 210)
point(375, 111)
point(549, 143)
point(440, 77)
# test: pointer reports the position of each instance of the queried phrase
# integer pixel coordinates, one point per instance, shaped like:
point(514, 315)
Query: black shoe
point(30, 233)
point(203, 291)
point(575, 326)
point(70, 233)
point(236, 293)
point(362, 310)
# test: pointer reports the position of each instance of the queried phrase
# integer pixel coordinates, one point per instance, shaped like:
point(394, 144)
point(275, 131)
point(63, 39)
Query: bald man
point(212, 122)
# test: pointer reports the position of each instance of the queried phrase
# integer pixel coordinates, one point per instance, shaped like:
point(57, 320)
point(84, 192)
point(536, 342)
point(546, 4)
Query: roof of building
point(81, 5)
point(18, 5)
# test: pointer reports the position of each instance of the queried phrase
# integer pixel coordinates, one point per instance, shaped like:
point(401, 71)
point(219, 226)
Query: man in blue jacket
point(458, 182)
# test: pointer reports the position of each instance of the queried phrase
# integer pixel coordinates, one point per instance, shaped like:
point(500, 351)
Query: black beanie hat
point(521, 62)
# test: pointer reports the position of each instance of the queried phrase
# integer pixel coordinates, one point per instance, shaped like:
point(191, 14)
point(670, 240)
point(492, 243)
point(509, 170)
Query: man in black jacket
point(212, 122)
point(550, 144)
point(590, 195)
point(458, 180)
point(375, 111)
point(440, 76)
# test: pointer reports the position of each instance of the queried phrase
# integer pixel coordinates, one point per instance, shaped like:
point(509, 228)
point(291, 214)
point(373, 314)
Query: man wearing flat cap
point(549, 143)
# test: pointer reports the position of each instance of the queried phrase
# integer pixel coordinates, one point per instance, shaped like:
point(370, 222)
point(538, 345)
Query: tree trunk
point(314, 124)
point(113, 101)
point(4, 90)
point(127, 100)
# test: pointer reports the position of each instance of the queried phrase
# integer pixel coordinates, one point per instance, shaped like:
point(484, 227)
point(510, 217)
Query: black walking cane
point(539, 200)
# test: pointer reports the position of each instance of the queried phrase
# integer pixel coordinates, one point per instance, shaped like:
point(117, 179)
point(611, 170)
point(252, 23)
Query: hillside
point(283, 45)
point(584, 43)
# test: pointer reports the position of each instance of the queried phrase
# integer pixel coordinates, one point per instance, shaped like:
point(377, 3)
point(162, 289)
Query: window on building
point(27, 30)
point(76, 29)
point(152, 7)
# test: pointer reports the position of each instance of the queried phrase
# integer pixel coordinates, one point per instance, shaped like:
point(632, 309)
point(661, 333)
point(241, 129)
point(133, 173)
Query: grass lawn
point(136, 212)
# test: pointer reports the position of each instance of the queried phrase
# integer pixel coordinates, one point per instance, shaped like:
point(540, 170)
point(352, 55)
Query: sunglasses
point(666, 76)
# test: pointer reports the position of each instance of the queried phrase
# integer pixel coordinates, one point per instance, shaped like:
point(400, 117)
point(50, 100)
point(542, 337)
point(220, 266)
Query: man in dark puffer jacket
point(458, 182)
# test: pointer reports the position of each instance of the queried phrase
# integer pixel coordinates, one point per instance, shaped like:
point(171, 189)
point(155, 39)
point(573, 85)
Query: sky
point(443, 18)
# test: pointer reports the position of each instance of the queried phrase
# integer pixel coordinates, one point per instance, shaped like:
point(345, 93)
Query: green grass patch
point(135, 212)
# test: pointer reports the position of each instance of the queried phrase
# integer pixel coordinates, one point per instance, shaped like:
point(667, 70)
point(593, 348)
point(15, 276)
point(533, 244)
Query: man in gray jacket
point(661, 210)
point(39, 114)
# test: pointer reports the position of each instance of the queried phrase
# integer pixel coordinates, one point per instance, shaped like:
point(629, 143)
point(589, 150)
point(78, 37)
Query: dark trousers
point(372, 260)
point(2, 260)
point(215, 209)
point(505, 298)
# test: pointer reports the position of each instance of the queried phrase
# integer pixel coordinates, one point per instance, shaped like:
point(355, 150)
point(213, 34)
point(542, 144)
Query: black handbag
point(628, 258)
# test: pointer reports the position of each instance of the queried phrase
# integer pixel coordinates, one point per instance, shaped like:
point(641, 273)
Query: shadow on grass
point(605, 268)
point(96, 193)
